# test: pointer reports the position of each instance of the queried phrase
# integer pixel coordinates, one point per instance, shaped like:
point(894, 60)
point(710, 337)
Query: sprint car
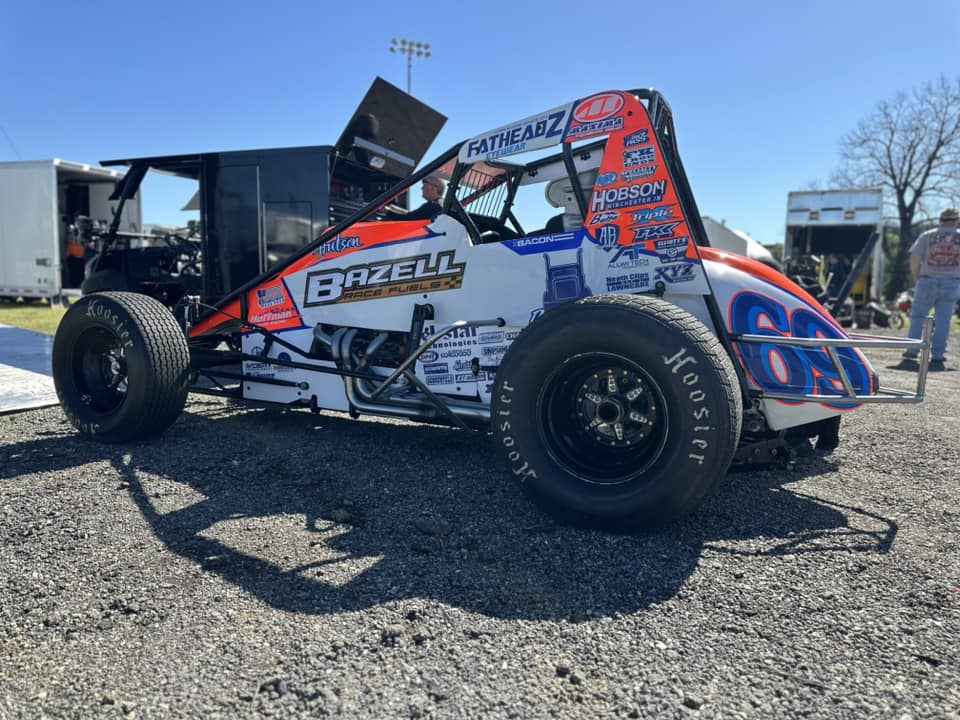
point(620, 362)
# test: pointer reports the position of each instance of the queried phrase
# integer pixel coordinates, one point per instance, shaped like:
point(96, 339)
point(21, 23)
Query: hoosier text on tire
point(120, 366)
point(617, 411)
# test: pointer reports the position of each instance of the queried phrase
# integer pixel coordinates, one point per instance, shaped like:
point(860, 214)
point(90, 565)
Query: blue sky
point(762, 92)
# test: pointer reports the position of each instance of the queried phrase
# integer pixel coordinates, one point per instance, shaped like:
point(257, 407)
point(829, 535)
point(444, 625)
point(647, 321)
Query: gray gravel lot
point(255, 562)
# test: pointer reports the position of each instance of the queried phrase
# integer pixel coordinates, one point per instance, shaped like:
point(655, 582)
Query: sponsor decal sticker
point(655, 232)
point(273, 316)
point(440, 380)
point(436, 369)
point(269, 297)
point(682, 272)
point(606, 179)
point(529, 134)
point(545, 243)
point(405, 276)
point(491, 337)
point(598, 107)
point(638, 173)
point(640, 137)
point(652, 215)
point(672, 250)
point(340, 244)
point(640, 156)
point(494, 352)
point(428, 356)
point(585, 130)
point(628, 195)
point(604, 217)
point(628, 282)
point(608, 236)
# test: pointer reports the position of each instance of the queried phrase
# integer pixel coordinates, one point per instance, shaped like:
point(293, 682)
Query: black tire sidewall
point(698, 445)
point(88, 313)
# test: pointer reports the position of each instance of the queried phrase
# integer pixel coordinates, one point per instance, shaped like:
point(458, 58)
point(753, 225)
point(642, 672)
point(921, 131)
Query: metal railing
point(858, 342)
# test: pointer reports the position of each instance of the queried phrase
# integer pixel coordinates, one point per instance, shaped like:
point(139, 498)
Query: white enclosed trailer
point(838, 222)
point(38, 201)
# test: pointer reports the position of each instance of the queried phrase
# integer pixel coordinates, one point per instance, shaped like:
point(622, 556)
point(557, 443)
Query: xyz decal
point(676, 273)
point(791, 369)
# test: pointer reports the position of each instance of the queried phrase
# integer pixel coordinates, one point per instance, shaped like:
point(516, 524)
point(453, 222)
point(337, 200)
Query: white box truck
point(38, 202)
point(821, 223)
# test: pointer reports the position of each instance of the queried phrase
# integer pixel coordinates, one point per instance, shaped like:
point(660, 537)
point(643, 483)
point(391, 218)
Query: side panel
point(756, 300)
point(30, 253)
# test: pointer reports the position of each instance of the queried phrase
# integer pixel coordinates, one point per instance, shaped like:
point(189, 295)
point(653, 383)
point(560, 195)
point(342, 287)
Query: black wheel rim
point(602, 418)
point(100, 370)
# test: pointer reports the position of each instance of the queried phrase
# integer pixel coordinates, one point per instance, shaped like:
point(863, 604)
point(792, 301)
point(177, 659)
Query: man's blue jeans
point(940, 294)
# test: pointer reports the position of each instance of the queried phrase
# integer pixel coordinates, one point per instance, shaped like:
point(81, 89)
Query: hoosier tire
point(120, 366)
point(617, 411)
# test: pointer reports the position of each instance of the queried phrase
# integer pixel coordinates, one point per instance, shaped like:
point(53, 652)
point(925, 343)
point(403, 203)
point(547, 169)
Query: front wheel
point(617, 411)
point(120, 366)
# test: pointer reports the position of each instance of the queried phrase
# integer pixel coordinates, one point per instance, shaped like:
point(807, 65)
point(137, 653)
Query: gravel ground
point(257, 562)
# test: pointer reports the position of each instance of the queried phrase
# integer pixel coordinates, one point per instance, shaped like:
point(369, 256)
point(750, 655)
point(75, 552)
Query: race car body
point(621, 363)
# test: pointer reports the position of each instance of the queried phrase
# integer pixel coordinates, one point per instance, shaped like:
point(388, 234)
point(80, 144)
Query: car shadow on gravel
point(324, 514)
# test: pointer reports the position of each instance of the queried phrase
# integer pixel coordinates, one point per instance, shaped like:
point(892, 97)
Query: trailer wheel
point(617, 411)
point(120, 366)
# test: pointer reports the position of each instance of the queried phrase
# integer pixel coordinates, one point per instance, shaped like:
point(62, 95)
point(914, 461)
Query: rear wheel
point(120, 366)
point(617, 411)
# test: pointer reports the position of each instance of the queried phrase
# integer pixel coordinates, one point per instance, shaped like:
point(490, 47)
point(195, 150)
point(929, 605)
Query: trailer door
point(29, 231)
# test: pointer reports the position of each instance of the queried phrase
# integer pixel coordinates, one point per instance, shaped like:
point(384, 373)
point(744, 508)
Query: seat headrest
point(560, 191)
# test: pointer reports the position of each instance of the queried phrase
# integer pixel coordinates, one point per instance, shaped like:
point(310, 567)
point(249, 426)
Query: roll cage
point(471, 182)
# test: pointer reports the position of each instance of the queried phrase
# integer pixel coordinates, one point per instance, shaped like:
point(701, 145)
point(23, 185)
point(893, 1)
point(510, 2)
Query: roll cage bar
point(662, 123)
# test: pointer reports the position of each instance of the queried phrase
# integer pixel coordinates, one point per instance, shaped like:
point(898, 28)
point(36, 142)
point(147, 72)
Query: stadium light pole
point(410, 48)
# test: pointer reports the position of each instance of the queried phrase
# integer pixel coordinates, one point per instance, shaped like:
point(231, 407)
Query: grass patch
point(40, 317)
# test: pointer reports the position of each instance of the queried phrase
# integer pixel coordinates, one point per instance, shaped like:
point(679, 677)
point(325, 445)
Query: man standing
point(935, 263)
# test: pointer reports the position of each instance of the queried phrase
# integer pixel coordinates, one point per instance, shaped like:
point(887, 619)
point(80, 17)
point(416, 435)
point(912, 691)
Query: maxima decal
point(406, 276)
point(596, 115)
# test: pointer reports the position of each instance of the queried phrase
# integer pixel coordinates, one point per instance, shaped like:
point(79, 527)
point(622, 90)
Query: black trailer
point(259, 207)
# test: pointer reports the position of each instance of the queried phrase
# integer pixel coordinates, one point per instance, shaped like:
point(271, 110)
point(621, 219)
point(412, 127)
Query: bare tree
point(909, 146)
